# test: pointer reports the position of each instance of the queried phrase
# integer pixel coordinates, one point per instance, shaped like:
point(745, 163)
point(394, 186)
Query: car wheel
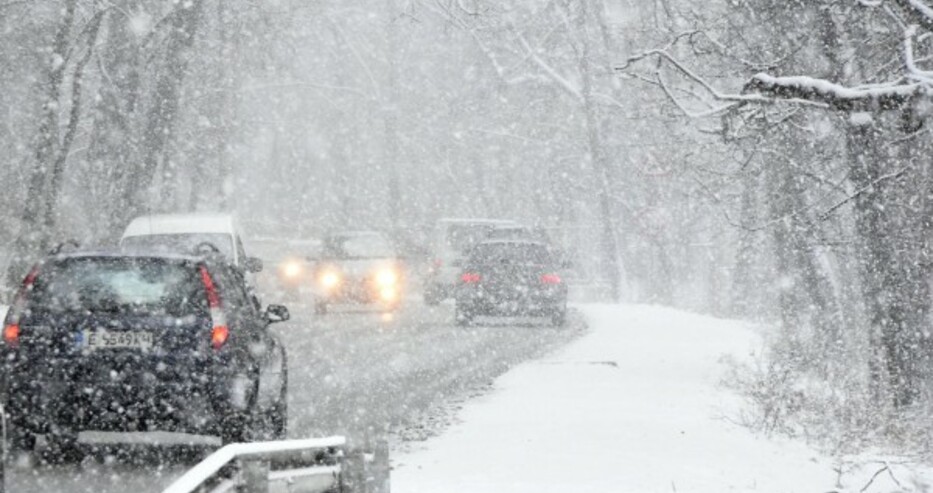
point(432, 296)
point(22, 440)
point(62, 448)
point(559, 317)
point(463, 316)
point(236, 428)
point(320, 308)
point(278, 415)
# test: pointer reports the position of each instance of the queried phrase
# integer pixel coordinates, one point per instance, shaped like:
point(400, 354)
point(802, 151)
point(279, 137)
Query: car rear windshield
point(462, 237)
point(136, 285)
point(510, 253)
point(179, 242)
point(357, 247)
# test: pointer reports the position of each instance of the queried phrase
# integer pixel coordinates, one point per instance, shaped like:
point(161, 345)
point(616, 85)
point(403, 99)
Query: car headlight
point(330, 279)
point(388, 294)
point(291, 269)
point(386, 277)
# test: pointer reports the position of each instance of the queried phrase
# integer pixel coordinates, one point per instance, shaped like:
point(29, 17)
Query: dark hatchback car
point(512, 278)
point(140, 342)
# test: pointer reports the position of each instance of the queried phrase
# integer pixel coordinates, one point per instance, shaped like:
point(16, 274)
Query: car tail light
point(470, 277)
point(11, 328)
point(11, 335)
point(550, 279)
point(220, 332)
point(219, 336)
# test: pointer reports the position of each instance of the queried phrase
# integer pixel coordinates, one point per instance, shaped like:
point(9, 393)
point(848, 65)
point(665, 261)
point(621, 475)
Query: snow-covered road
point(634, 406)
point(349, 373)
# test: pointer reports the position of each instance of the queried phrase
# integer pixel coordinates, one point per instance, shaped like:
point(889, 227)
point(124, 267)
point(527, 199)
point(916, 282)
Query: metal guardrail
point(316, 464)
point(4, 454)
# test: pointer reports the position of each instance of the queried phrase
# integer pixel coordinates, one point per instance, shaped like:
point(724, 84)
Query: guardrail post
point(352, 473)
point(380, 467)
point(254, 474)
point(5, 457)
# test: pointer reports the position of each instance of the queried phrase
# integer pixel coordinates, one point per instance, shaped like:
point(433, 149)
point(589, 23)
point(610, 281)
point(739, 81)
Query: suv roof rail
point(65, 246)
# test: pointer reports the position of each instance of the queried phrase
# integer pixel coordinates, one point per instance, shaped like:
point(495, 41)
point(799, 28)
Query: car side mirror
point(277, 313)
point(253, 264)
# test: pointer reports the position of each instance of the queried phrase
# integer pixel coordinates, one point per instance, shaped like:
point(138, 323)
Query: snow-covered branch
point(732, 100)
point(767, 88)
point(836, 96)
point(918, 12)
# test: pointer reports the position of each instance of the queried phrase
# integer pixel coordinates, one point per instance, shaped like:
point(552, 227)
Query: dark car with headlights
point(357, 268)
point(511, 278)
point(99, 341)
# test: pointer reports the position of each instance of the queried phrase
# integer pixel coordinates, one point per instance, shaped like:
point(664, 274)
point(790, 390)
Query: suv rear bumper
point(38, 403)
point(534, 303)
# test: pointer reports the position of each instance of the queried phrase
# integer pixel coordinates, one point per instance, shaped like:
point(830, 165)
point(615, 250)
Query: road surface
point(351, 372)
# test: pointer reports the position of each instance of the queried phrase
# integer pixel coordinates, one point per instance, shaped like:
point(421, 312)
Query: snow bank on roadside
point(634, 405)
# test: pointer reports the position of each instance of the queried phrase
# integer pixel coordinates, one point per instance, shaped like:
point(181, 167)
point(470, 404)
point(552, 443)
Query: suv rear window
point(462, 237)
point(510, 253)
point(137, 285)
point(179, 243)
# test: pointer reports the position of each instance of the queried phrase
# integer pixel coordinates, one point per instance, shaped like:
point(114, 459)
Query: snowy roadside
point(634, 405)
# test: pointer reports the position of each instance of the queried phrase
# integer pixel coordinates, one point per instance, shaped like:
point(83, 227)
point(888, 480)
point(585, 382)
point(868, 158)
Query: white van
point(451, 242)
point(185, 232)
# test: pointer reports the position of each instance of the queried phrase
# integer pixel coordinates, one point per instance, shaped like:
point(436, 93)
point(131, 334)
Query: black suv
point(511, 277)
point(141, 342)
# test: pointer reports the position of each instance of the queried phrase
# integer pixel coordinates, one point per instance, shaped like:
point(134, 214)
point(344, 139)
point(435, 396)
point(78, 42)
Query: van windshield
point(179, 243)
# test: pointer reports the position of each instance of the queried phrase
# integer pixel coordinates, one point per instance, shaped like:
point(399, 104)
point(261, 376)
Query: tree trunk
point(61, 157)
point(34, 236)
point(161, 116)
point(599, 160)
point(889, 363)
point(113, 149)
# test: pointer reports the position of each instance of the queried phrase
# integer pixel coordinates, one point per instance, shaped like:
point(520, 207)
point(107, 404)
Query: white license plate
point(102, 339)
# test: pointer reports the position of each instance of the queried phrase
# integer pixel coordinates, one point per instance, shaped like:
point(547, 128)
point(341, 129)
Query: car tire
point(559, 317)
point(62, 448)
point(432, 296)
point(320, 308)
point(463, 316)
point(278, 415)
point(236, 428)
point(22, 440)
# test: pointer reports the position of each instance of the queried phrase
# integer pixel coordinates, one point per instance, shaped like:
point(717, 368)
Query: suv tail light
point(11, 334)
point(550, 279)
point(470, 277)
point(219, 331)
point(11, 327)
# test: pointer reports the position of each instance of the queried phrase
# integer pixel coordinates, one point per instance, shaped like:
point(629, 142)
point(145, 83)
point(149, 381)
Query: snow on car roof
point(355, 234)
point(511, 242)
point(504, 222)
point(180, 223)
point(122, 253)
